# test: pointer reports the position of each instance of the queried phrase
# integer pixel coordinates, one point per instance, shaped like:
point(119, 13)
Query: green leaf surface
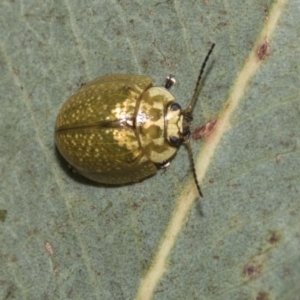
point(64, 237)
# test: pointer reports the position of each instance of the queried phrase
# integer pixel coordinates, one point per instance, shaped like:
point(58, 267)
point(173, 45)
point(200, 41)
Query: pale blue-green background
point(103, 238)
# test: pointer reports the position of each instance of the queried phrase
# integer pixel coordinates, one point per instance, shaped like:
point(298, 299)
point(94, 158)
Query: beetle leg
point(170, 81)
point(165, 165)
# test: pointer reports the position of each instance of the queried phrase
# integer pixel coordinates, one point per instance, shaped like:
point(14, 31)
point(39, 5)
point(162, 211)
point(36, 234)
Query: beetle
point(119, 129)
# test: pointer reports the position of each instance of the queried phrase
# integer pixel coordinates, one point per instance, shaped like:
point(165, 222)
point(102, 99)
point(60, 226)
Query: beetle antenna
point(187, 141)
point(196, 90)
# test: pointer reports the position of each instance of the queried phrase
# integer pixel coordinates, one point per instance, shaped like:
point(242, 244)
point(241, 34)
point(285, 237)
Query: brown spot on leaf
point(3, 214)
point(274, 238)
point(145, 63)
point(49, 248)
point(204, 130)
point(262, 296)
point(252, 270)
point(263, 50)
point(278, 158)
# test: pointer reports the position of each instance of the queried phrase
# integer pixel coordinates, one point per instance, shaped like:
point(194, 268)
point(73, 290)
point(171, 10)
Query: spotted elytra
point(119, 129)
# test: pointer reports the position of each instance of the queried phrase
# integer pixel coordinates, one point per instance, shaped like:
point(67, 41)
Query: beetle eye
point(175, 106)
point(174, 141)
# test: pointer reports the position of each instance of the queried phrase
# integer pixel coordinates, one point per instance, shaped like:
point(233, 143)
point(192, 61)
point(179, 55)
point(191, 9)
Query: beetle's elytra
point(119, 129)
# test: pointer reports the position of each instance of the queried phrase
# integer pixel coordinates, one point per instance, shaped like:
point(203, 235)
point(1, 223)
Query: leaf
point(63, 236)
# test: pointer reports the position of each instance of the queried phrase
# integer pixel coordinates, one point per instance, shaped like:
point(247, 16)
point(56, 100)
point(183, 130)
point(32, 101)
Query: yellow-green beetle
point(119, 129)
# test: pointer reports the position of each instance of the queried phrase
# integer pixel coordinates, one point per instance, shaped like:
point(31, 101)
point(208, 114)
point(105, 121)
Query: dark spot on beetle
point(204, 130)
point(131, 21)
point(157, 148)
point(155, 114)
point(263, 50)
point(262, 296)
point(211, 180)
point(252, 270)
point(3, 215)
point(216, 257)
